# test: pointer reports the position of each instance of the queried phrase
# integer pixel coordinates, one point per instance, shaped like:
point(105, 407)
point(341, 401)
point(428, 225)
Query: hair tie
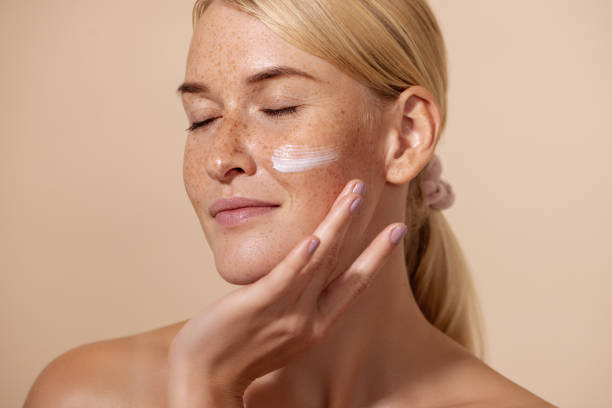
point(438, 193)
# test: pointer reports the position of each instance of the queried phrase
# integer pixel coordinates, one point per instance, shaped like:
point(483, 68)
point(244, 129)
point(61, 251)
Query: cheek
point(323, 162)
point(193, 171)
point(314, 166)
point(313, 191)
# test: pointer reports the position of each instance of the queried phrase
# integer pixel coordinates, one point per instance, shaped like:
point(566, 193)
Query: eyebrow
point(268, 73)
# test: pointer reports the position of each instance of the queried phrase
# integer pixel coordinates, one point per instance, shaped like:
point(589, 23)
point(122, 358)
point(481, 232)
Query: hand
point(261, 327)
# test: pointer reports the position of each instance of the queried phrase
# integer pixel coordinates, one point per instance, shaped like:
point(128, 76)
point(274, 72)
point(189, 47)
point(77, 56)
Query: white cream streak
point(292, 158)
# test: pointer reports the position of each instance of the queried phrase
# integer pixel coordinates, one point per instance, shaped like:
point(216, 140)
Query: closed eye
point(284, 111)
point(290, 110)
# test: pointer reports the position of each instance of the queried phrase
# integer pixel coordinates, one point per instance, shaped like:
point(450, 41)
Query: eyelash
point(290, 110)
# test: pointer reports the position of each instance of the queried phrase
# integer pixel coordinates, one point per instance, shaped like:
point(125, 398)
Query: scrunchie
point(438, 193)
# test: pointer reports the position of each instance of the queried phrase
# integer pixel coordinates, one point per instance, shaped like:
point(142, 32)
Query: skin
point(370, 347)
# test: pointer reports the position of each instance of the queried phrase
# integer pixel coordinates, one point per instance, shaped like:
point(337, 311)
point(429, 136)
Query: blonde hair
point(388, 46)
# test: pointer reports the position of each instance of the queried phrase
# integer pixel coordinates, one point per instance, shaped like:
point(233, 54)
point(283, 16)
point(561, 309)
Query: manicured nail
point(314, 243)
point(398, 233)
point(359, 188)
point(356, 204)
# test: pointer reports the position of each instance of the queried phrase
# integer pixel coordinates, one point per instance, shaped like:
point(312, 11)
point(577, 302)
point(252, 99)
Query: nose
point(228, 155)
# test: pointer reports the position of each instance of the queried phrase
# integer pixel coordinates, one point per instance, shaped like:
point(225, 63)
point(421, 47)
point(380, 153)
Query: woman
point(313, 132)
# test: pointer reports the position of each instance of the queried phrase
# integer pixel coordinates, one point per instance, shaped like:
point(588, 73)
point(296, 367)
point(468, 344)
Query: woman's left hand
point(261, 327)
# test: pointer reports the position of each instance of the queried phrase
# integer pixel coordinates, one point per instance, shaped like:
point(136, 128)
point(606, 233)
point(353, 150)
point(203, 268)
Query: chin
point(241, 273)
point(247, 262)
point(248, 253)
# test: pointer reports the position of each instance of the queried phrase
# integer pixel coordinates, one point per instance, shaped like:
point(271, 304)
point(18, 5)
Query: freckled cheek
point(312, 195)
point(194, 175)
point(316, 189)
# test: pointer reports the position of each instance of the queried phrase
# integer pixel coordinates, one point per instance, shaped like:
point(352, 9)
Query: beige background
point(99, 239)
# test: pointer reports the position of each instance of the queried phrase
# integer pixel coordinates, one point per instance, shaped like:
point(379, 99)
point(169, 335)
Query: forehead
point(228, 43)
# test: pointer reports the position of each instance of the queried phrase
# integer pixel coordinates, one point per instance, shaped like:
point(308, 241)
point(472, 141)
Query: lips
point(230, 218)
point(226, 204)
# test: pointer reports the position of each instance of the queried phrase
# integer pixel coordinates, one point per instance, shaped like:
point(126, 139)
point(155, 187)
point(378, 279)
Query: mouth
point(235, 216)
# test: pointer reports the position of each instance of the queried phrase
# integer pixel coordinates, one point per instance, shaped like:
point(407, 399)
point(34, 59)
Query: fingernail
point(398, 233)
point(359, 188)
point(313, 245)
point(356, 204)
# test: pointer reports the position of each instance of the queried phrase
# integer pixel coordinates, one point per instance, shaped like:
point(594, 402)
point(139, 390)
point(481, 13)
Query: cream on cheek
point(291, 158)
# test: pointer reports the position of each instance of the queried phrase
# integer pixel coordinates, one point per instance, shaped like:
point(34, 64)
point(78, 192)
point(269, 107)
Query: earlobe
point(413, 134)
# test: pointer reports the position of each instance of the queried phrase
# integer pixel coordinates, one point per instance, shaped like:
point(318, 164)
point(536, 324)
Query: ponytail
point(439, 275)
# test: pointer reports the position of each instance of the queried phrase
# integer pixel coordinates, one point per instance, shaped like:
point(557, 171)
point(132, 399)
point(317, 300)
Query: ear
point(412, 134)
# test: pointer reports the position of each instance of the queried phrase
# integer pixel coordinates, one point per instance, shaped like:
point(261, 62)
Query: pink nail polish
point(397, 234)
point(359, 188)
point(314, 244)
point(355, 205)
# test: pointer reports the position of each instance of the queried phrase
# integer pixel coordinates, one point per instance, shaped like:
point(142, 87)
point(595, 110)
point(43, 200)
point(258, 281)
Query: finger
point(279, 280)
point(345, 289)
point(352, 186)
point(331, 232)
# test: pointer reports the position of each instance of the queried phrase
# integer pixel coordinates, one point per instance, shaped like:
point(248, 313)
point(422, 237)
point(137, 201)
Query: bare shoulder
point(125, 371)
point(462, 380)
point(490, 388)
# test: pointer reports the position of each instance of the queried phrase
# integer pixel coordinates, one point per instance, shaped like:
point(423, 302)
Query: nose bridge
point(228, 155)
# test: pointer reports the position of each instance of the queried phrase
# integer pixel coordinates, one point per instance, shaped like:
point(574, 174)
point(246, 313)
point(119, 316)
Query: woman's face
point(299, 161)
